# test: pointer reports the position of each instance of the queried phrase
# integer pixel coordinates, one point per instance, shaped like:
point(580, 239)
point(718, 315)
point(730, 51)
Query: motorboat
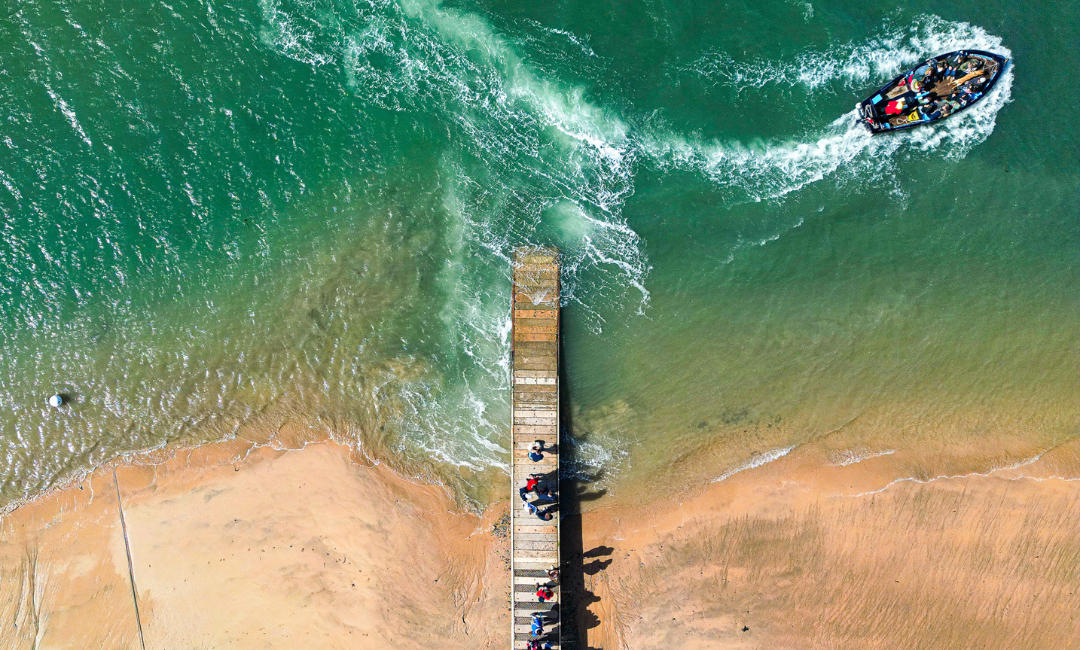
point(936, 89)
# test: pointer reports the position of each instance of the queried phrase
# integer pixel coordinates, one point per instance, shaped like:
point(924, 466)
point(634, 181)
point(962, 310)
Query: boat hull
point(928, 94)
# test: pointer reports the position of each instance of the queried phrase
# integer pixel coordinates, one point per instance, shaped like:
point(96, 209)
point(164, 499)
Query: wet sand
point(801, 553)
point(235, 546)
point(303, 544)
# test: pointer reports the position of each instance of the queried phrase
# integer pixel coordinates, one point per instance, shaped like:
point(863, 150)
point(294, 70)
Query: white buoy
point(56, 401)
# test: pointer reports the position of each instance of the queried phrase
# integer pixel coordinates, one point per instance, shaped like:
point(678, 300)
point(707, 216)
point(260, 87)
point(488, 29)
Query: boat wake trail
point(854, 64)
point(844, 150)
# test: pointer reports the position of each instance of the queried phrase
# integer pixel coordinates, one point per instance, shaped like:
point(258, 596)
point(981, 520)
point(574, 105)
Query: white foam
point(756, 461)
point(287, 32)
point(857, 455)
point(775, 169)
point(852, 64)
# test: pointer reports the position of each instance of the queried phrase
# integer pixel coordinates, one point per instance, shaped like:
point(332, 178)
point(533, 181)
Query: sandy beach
point(801, 553)
point(237, 545)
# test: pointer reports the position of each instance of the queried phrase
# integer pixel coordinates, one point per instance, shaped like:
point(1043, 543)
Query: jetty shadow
point(574, 489)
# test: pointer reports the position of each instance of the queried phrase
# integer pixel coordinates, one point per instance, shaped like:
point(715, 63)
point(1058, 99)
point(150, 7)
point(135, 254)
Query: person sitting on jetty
point(537, 624)
point(553, 574)
point(536, 452)
point(530, 508)
point(547, 495)
point(530, 485)
point(535, 645)
point(542, 514)
point(544, 594)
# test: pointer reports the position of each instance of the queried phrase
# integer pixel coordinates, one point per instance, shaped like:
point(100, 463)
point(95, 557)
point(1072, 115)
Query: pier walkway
point(535, 413)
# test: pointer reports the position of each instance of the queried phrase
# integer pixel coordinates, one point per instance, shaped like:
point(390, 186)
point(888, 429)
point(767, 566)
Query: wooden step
point(535, 537)
point(524, 580)
point(525, 381)
point(528, 389)
point(524, 396)
point(530, 574)
point(536, 373)
point(525, 312)
point(535, 336)
point(535, 410)
point(548, 328)
point(542, 432)
point(546, 528)
point(539, 347)
point(535, 546)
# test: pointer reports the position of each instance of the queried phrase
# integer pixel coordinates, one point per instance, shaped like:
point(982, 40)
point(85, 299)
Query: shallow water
point(226, 212)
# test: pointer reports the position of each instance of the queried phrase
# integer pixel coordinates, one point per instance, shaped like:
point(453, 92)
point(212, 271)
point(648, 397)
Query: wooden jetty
point(535, 413)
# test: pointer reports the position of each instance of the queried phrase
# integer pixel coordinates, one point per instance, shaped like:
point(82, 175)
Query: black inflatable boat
point(937, 88)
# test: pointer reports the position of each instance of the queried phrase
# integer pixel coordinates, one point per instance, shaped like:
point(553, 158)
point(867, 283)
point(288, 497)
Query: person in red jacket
point(530, 485)
point(544, 594)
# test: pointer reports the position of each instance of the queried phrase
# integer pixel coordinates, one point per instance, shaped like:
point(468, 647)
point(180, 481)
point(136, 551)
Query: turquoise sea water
point(302, 210)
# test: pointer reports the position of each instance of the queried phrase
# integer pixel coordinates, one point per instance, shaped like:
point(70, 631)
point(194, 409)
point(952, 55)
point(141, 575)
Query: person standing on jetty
point(536, 452)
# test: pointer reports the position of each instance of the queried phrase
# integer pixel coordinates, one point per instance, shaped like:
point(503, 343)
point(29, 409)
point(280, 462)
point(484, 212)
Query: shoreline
point(796, 554)
point(797, 550)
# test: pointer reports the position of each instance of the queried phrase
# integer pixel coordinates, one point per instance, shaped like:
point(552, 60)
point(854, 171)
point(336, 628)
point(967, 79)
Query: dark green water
point(226, 212)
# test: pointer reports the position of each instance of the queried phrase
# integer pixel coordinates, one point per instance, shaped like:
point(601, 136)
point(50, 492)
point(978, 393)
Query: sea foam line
point(756, 461)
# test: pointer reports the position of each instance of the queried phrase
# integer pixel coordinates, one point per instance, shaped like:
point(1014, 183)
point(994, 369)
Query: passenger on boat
point(929, 113)
point(896, 106)
point(940, 69)
point(930, 74)
point(973, 89)
point(970, 64)
point(953, 64)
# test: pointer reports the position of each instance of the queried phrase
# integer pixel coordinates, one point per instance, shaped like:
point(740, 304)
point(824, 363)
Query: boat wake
point(852, 65)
